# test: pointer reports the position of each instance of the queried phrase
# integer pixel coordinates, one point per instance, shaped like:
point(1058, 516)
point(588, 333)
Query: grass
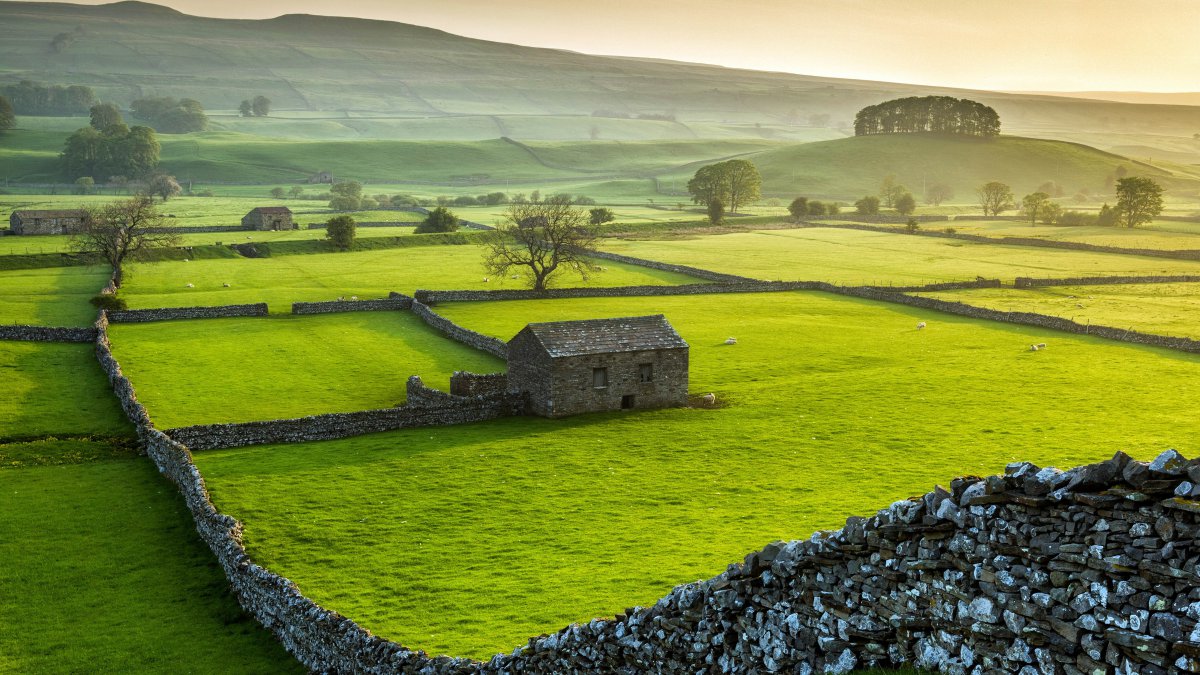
point(835, 407)
point(50, 297)
point(238, 370)
point(53, 389)
point(103, 572)
point(1161, 235)
point(856, 257)
point(1165, 309)
point(280, 281)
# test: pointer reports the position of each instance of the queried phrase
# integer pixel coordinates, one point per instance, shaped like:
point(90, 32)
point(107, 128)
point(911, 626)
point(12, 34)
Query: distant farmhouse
point(269, 218)
point(47, 222)
point(572, 367)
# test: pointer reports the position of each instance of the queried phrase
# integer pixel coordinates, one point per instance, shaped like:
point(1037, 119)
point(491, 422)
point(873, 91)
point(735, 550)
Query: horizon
point(854, 39)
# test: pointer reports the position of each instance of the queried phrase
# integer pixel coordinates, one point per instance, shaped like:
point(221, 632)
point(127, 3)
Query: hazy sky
point(1067, 45)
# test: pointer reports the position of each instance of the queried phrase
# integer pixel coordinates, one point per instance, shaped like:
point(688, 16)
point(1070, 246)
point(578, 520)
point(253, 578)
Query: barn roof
point(50, 213)
point(271, 210)
point(606, 336)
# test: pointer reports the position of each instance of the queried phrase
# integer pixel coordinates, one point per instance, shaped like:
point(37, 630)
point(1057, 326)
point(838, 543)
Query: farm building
point(47, 222)
point(572, 367)
point(269, 218)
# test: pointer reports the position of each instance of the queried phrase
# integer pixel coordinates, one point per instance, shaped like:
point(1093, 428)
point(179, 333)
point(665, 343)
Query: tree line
point(936, 114)
point(109, 148)
point(32, 98)
point(170, 115)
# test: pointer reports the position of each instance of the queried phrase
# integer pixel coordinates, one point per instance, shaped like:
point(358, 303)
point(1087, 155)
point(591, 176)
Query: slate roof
point(51, 213)
point(271, 209)
point(606, 336)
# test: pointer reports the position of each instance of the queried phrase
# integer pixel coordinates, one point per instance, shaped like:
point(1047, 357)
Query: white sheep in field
point(485, 280)
point(1041, 345)
point(354, 297)
point(709, 398)
point(731, 341)
point(190, 286)
point(1033, 348)
point(225, 285)
point(1038, 347)
point(920, 325)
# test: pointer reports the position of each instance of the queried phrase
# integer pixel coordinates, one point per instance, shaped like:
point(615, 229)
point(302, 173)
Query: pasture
point(239, 370)
point(282, 280)
point(103, 572)
point(56, 296)
point(855, 257)
point(53, 389)
point(467, 540)
point(1165, 309)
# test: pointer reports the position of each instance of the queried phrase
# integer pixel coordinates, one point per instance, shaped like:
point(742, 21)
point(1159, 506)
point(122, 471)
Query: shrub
point(716, 211)
point(465, 201)
point(340, 231)
point(867, 206)
point(1077, 218)
point(833, 208)
point(108, 301)
point(798, 208)
point(816, 208)
point(912, 226)
point(438, 220)
point(583, 200)
point(600, 216)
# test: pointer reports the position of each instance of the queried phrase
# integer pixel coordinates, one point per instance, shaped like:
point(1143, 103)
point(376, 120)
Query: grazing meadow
point(1164, 309)
point(532, 524)
point(282, 280)
point(245, 369)
point(55, 296)
point(54, 389)
point(855, 257)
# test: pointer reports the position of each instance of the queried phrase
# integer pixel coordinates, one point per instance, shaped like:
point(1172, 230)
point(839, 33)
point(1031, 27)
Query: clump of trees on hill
point(32, 98)
point(170, 115)
point(259, 106)
point(108, 147)
point(735, 183)
point(924, 114)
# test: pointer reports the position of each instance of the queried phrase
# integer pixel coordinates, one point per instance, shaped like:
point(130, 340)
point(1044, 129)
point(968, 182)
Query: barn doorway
point(627, 402)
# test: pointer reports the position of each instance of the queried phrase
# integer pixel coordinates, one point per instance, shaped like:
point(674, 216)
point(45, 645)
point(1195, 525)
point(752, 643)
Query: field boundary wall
point(1037, 282)
point(175, 313)
point(466, 336)
point(24, 333)
point(395, 302)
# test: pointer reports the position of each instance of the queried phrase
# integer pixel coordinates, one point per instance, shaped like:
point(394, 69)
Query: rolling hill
point(851, 167)
point(306, 63)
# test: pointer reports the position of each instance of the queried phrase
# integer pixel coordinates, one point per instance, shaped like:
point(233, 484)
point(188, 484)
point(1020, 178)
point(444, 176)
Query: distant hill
point(851, 167)
point(308, 63)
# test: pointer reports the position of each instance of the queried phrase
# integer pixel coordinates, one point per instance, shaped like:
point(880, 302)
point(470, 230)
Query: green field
point(1159, 235)
point(50, 297)
point(103, 572)
point(566, 520)
point(280, 281)
point(855, 257)
point(53, 389)
point(239, 370)
point(1165, 309)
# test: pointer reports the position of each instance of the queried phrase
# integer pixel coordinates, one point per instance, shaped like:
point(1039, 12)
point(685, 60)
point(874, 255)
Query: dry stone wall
point(486, 343)
point(467, 384)
point(667, 267)
point(47, 334)
point(174, 313)
point(395, 302)
point(1035, 282)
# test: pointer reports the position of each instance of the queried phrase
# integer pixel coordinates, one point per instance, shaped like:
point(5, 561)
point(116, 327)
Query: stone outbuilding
point(67, 221)
point(269, 218)
point(571, 367)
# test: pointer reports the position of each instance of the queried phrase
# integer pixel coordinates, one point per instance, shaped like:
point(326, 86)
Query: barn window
point(599, 378)
point(646, 373)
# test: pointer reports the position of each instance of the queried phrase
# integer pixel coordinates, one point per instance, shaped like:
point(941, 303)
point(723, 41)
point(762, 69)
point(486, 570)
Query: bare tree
point(544, 237)
point(121, 231)
point(994, 197)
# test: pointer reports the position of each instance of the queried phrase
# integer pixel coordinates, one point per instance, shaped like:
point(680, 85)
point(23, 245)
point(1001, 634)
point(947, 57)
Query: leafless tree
point(543, 237)
point(122, 231)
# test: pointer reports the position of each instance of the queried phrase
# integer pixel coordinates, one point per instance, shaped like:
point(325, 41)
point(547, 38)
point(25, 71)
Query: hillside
point(851, 167)
point(313, 64)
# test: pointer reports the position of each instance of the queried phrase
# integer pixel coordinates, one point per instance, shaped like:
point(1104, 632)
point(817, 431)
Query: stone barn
point(269, 218)
point(572, 367)
point(47, 222)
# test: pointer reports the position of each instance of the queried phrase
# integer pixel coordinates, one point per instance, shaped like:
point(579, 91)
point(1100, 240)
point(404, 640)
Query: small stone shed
point(571, 367)
point(47, 222)
point(269, 218)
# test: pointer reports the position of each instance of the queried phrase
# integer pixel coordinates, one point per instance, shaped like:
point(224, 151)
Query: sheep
point(485, 280)
point(731, 341)
point(354, 297)
point(709, 398)
point(1033, 348)
point(225, 285)
point(920, 325)
point(1038, 347)
point(1041, 345)
point(1079, 305)
point(190, 286)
